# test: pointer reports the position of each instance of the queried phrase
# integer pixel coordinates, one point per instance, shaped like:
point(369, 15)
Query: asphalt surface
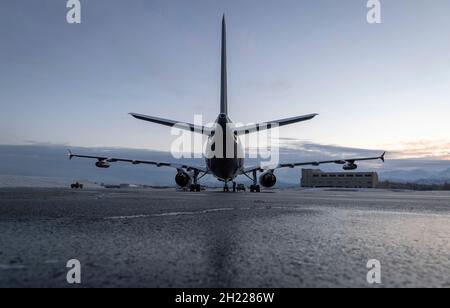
point(163, 238)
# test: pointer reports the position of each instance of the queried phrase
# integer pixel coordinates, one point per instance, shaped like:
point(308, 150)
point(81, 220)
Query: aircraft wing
point(316, 163)
point(140, 162)
point(245, 130)
point(186, 126)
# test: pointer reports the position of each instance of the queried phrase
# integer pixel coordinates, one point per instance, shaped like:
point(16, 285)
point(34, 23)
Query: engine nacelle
point(183, 179)
point(102, 164)
point(350, 166)
point(268, 179)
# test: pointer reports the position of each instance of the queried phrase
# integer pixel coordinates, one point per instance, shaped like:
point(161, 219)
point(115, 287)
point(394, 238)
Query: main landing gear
point(195, 187)
point(255, 188)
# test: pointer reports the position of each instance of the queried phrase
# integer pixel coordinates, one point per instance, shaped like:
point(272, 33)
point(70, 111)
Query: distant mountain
point(445, 174)
point(42, 182)
point(418, 176)
point(442, 177)
point(405, 175)
point(52, 162)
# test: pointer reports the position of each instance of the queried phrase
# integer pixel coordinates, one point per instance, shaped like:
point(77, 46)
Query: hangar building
point(315, 178)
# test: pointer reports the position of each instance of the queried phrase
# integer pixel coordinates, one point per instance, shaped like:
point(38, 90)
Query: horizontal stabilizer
point(273, 124)
point(171, 123)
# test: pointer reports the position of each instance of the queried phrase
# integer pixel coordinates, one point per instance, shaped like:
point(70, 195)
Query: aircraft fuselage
point(224, 154)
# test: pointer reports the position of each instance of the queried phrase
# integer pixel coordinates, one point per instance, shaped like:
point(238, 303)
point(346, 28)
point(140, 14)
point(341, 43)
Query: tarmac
point(275, 239)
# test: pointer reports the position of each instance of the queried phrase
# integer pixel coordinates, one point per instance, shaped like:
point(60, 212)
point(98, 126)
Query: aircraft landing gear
point(255, 187)
point(195, 188)
point(226, 188)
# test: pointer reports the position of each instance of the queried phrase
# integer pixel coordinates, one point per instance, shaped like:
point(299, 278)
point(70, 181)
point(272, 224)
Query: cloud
point(49, 144)
point(438, 150)
point(327, 150)
point(281, 85)
point(431, 150)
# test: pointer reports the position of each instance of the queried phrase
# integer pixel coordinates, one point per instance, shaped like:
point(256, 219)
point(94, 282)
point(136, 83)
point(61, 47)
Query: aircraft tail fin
point(223, 85)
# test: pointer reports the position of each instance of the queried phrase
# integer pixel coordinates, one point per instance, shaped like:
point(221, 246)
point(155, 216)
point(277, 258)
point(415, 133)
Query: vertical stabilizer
point(223, 85)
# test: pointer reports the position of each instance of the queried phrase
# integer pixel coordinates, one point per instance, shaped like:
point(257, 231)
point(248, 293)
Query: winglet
point(134, 115)
point(382, 157)
point(70, 154)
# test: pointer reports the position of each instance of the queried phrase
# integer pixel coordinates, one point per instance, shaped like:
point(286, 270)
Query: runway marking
point(11, 267)
point(170, 214)
point(293, 208)
point(349, 198)
point(127, 217)
point(203, 212)
point(399, 213)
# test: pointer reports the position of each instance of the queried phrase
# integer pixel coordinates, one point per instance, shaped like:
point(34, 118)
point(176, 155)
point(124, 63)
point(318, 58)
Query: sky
point(375, 86)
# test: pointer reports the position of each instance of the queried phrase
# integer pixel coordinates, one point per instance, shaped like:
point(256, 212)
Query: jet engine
point(102, 164)
point(268, 179)
point(350, 166)
point(183, 179)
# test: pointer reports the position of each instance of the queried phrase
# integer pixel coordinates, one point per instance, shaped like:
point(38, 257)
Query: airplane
point(223, 167)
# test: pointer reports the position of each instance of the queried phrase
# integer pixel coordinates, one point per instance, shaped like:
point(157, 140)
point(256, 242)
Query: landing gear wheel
point(255, 188)
point(195, 188)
